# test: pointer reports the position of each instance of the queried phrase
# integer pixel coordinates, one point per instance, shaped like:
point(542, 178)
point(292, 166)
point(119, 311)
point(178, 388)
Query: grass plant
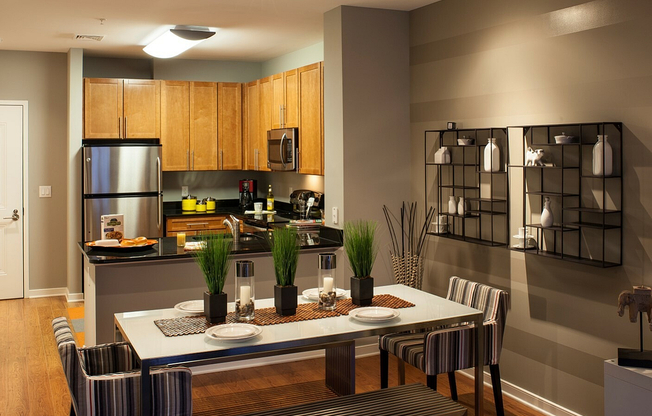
point(360, 246)
point(214, 260)
point(285, 252)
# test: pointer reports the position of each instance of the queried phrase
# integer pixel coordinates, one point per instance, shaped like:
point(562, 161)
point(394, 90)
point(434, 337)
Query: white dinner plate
point(190, 306)
point(374, 314)
point(313, 294)
point(233, 332)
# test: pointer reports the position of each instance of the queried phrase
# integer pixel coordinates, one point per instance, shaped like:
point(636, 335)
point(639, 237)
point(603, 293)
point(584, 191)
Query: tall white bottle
point(602, 157)
point(491, 156)
point(461, 207)
point(546, 214)
point(452, 205)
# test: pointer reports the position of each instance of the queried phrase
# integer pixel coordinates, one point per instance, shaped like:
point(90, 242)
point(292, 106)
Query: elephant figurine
point(638, 301)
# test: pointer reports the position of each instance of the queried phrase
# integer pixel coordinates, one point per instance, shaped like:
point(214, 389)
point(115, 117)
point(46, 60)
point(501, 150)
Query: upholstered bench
point(407, 400)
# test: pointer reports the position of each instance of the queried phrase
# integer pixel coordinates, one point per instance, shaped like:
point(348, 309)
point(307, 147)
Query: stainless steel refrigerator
point(123, 178)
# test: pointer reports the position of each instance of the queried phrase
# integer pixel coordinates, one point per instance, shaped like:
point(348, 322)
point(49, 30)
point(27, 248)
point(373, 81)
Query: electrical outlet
point(184, 190)
point(335, 214)
point(45, 191)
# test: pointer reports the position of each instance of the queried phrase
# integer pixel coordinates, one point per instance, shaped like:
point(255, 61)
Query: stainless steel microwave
point(282, 146)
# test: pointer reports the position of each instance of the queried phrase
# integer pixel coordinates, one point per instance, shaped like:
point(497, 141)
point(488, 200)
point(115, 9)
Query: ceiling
point(249, 30)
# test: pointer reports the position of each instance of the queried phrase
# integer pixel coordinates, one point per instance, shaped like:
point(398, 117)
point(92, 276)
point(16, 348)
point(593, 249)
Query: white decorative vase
point(491, 156)
point(461, 207)
point(452, 205)
point(546, 214)
point(602, 157)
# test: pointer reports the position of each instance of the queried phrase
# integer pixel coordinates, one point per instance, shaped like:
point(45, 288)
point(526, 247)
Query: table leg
point(479, 376)
point(340, 368)
point(145, 389)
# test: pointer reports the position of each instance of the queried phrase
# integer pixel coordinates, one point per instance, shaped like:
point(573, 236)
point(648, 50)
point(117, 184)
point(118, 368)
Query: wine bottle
point(270, 199)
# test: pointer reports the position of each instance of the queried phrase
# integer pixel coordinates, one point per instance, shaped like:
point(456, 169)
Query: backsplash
point(224, 184)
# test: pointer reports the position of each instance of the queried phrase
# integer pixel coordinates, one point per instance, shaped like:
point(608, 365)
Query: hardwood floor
point(32, 380)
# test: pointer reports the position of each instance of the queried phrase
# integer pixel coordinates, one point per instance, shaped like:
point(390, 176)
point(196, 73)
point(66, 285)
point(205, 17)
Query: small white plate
point(374, 314)
point(233, 332)
point(190, 306)
point(313, 294)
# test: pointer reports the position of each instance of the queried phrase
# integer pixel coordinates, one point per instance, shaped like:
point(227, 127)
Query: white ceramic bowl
point(465, 142)
point(565, 139)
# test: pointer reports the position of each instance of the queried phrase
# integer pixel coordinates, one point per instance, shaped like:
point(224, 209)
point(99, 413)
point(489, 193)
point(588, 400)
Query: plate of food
point(313, 294)
point(233, 332)
point(374, 314)
point(190, 306)
point(138, 243)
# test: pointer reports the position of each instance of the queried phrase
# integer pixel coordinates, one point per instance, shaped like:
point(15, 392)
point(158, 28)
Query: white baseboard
point(74, 297)
point(526, 397)
point(42, 293)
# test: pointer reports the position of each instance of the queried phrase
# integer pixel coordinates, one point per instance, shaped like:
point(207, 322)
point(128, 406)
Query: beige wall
point(40, 78)
point(296, 59)
point(366, 119)
point(511, 62)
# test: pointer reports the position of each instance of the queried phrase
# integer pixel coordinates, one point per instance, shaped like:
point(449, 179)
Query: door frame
point(25, 181)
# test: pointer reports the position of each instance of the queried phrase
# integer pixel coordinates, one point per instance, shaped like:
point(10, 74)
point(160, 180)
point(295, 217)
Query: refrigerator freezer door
point(121, 169)
point(142, 216)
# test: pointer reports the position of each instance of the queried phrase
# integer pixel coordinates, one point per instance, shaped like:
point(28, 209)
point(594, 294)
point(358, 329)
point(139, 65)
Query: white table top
point(150, 343)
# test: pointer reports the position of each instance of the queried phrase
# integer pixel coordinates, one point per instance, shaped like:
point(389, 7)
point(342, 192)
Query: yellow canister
point(210, 203)
point(201, 206)
point(189, 203)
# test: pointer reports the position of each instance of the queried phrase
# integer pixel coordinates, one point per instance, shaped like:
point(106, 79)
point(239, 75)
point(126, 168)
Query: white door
point(11, 201)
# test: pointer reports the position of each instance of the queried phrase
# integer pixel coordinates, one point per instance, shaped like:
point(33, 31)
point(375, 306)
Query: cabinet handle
point(280, 116)
point(255, 159)
point(119, 127)
point(194, 224)
point(222, 159)
point(125, 135)
point(193, 160)
point(188, 159)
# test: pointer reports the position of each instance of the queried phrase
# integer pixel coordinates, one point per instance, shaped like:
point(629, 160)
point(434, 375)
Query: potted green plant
point(214, 260)
point(361, 249)
point(285, 252)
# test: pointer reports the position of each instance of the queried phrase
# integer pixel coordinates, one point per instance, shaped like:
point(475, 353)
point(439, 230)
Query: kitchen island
point(163, 275)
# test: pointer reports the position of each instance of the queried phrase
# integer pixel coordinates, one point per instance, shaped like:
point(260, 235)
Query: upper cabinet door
point(291, 109)
point(102, 108)
point(250, 125)
point(311, 140)
point(229, 124)
point(203, 126)
point(266, 96)
point(175, 125)
point(142, 109)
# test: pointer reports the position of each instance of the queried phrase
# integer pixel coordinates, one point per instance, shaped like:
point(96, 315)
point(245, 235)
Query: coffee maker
point(247, 193)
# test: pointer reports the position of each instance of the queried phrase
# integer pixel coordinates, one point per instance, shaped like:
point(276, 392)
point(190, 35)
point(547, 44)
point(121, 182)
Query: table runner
point(188, 325)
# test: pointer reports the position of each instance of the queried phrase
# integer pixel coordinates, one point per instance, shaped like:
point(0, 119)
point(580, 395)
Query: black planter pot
point(215, 307)
point(285, 300)
point(362, 290)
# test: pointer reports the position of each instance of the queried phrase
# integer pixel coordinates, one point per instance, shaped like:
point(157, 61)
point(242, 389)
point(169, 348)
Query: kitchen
point(465, 90)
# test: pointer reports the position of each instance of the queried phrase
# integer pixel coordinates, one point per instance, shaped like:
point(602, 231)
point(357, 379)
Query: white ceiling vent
point(89, 37)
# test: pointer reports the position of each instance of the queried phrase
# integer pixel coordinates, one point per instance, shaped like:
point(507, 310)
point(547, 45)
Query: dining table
point(336, 335)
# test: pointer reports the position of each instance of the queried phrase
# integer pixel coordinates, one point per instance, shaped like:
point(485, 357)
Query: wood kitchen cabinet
point(311, 127)
point(121, 108)
point(196, 224)
point(189, 125)
point(251, 132)
point(285, 106)
point(229, 125)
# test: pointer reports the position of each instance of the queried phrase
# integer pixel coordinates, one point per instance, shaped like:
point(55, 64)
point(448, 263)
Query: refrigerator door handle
point(160, 195)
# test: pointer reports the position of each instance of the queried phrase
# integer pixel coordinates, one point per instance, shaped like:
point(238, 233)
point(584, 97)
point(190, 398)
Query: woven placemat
point(188, 325)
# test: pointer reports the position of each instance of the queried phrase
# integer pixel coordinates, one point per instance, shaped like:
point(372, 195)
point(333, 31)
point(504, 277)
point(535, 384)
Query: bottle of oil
point(270, 199)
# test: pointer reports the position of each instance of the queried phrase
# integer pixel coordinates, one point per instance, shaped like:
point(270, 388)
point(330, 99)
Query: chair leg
point(431, 381)
point(384, 368)
point(453, 385)
point(498, 392)
point(401, 372)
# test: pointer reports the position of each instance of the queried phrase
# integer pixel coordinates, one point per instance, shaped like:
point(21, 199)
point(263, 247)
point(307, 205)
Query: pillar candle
point(245, 294)
point(328, 284)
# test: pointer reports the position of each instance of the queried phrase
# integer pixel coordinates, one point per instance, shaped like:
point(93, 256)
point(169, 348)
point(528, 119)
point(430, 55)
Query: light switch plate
point(335, 214)
point(45, 191)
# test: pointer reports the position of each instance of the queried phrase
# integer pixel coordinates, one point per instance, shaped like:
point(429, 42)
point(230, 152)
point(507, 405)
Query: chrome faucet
point(234, 227)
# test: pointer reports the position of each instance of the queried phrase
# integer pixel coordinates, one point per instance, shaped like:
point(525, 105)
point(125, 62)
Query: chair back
point(70, 359)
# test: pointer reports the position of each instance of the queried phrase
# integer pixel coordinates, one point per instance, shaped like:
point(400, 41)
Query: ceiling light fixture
point(177, 40)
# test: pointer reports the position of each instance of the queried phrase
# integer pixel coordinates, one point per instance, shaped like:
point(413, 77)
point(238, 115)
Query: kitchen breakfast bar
point(163, 275)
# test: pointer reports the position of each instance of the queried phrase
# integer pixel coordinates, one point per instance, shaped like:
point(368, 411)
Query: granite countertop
point(166, 247)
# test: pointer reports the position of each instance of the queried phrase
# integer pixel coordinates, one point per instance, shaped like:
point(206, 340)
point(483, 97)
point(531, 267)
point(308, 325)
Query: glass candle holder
point(326, 285)
point(244, 290)
point(181, 239)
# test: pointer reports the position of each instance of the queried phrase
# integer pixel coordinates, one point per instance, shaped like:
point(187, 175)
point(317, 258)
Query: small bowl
point(563, 139)
point(465, 142)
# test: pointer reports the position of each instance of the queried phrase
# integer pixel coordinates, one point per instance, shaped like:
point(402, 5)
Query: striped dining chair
point(104, 380)
point(448, 349)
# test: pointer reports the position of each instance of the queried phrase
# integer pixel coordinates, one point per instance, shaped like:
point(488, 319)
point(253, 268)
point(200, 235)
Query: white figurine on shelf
point(533, 157)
